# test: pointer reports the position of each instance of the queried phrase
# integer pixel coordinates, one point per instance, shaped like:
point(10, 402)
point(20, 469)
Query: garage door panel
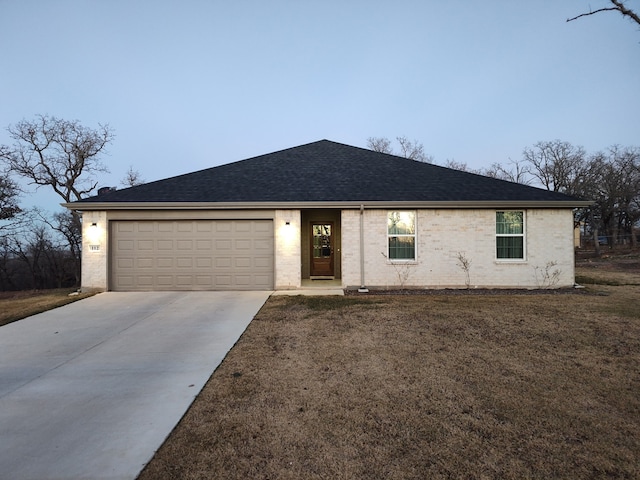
point(263, 279)
point(243, 244)
point(204, 262)
point(192, 255)
point(162, 244)
point(143, 245)
point(184, 262)
point(184, 280)
point(125, 227)
point(262, 262)
point(223, 226)
point(204, 245)
point(223, 244)
point(262, 245)
point(184, 245)
point(262, 228)
point(124, 245)
point(126, 262)
point(243, 279)
point(204, 280)
point(165, 262)
point(223, 280)
point(144, 262)
point(223, 262)
point(243, 262)
point(143, 281)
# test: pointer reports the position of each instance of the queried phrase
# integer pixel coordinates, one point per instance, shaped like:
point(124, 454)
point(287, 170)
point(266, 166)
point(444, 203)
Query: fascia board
point(93, 206)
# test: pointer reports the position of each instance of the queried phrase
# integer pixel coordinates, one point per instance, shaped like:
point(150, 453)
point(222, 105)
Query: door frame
point(320, 215)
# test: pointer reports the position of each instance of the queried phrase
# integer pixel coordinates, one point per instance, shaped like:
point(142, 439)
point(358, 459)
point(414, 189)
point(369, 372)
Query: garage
point(151, 255)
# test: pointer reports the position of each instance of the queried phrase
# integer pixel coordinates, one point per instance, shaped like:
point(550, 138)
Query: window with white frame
point(401, 235)
point(510, 235)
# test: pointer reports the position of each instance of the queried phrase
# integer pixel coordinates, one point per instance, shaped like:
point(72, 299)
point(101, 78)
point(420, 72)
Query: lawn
point(18, 305)
point(424, 386)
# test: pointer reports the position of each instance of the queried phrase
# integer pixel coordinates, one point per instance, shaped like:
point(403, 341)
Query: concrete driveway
point(92, 389)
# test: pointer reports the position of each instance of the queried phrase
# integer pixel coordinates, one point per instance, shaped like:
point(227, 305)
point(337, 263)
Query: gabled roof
point(326, 173)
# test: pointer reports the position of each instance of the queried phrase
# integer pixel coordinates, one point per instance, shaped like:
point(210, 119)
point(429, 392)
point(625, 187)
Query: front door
point(322, 249)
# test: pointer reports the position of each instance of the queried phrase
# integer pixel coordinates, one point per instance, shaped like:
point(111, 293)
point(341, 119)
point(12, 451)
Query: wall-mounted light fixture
point(94, 237)
point(287, 223)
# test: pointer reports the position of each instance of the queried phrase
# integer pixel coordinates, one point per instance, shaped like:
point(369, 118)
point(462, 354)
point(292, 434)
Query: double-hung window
point(401, 236)
point(510, 242)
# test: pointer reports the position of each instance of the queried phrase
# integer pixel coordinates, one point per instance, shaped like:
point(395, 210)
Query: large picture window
point(401, 232)
point(510, 235)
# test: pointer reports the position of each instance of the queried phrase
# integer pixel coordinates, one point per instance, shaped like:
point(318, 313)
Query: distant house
point(327, 211)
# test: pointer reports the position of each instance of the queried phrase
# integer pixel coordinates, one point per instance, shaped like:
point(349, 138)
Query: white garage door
point(192, 255)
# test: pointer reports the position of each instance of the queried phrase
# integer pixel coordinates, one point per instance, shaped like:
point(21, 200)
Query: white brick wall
point(287, 245)
point(444, 234)
point(95, 251)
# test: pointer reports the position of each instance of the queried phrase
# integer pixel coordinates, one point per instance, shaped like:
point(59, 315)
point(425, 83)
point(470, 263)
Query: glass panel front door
point(322, 249)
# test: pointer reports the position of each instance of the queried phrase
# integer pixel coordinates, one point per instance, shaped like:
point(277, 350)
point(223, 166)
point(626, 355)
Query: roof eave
point(93, 206)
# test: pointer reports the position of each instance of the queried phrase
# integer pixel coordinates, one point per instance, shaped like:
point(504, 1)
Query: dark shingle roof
point(326, 171)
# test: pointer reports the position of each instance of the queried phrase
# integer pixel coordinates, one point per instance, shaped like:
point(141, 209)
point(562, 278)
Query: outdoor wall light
point(288, 232)
point(94, 235)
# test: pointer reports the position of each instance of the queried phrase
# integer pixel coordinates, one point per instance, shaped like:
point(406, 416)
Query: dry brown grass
point(611, 268)
point(18, 305)
point(436, 386)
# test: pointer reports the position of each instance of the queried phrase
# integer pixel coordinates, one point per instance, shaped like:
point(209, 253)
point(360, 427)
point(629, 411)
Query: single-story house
point(327, 211)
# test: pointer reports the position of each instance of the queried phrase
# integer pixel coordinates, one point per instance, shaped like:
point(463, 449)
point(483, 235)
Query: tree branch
point(618, 7)
point(627, 12)
point(591, 13)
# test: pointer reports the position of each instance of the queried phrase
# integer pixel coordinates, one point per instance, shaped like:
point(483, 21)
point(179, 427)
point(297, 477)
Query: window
point(510, 235)
point(401, 232)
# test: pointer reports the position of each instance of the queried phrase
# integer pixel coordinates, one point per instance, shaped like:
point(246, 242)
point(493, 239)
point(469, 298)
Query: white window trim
point(523, 235)
point(413, 260)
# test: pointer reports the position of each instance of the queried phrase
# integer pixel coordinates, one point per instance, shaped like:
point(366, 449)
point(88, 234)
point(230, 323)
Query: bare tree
point(64, 156)
point(379, 144)
point(556, 164)
point(132, 178)
point(35, 253)
point(618, 6)
point(60, 154)
point(515, 171)
point(66, 227)
point(623, 179)
point(413, 150)
point(30, 251)
point(9, 192)
point(612, 181)
point(7, 266)
point(455, 165)
point(463, 167)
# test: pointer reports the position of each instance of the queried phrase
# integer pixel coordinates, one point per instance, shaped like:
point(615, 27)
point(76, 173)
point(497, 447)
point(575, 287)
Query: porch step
point(310, 291)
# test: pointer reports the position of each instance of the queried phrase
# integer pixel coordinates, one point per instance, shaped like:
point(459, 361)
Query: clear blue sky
point(192, 84)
